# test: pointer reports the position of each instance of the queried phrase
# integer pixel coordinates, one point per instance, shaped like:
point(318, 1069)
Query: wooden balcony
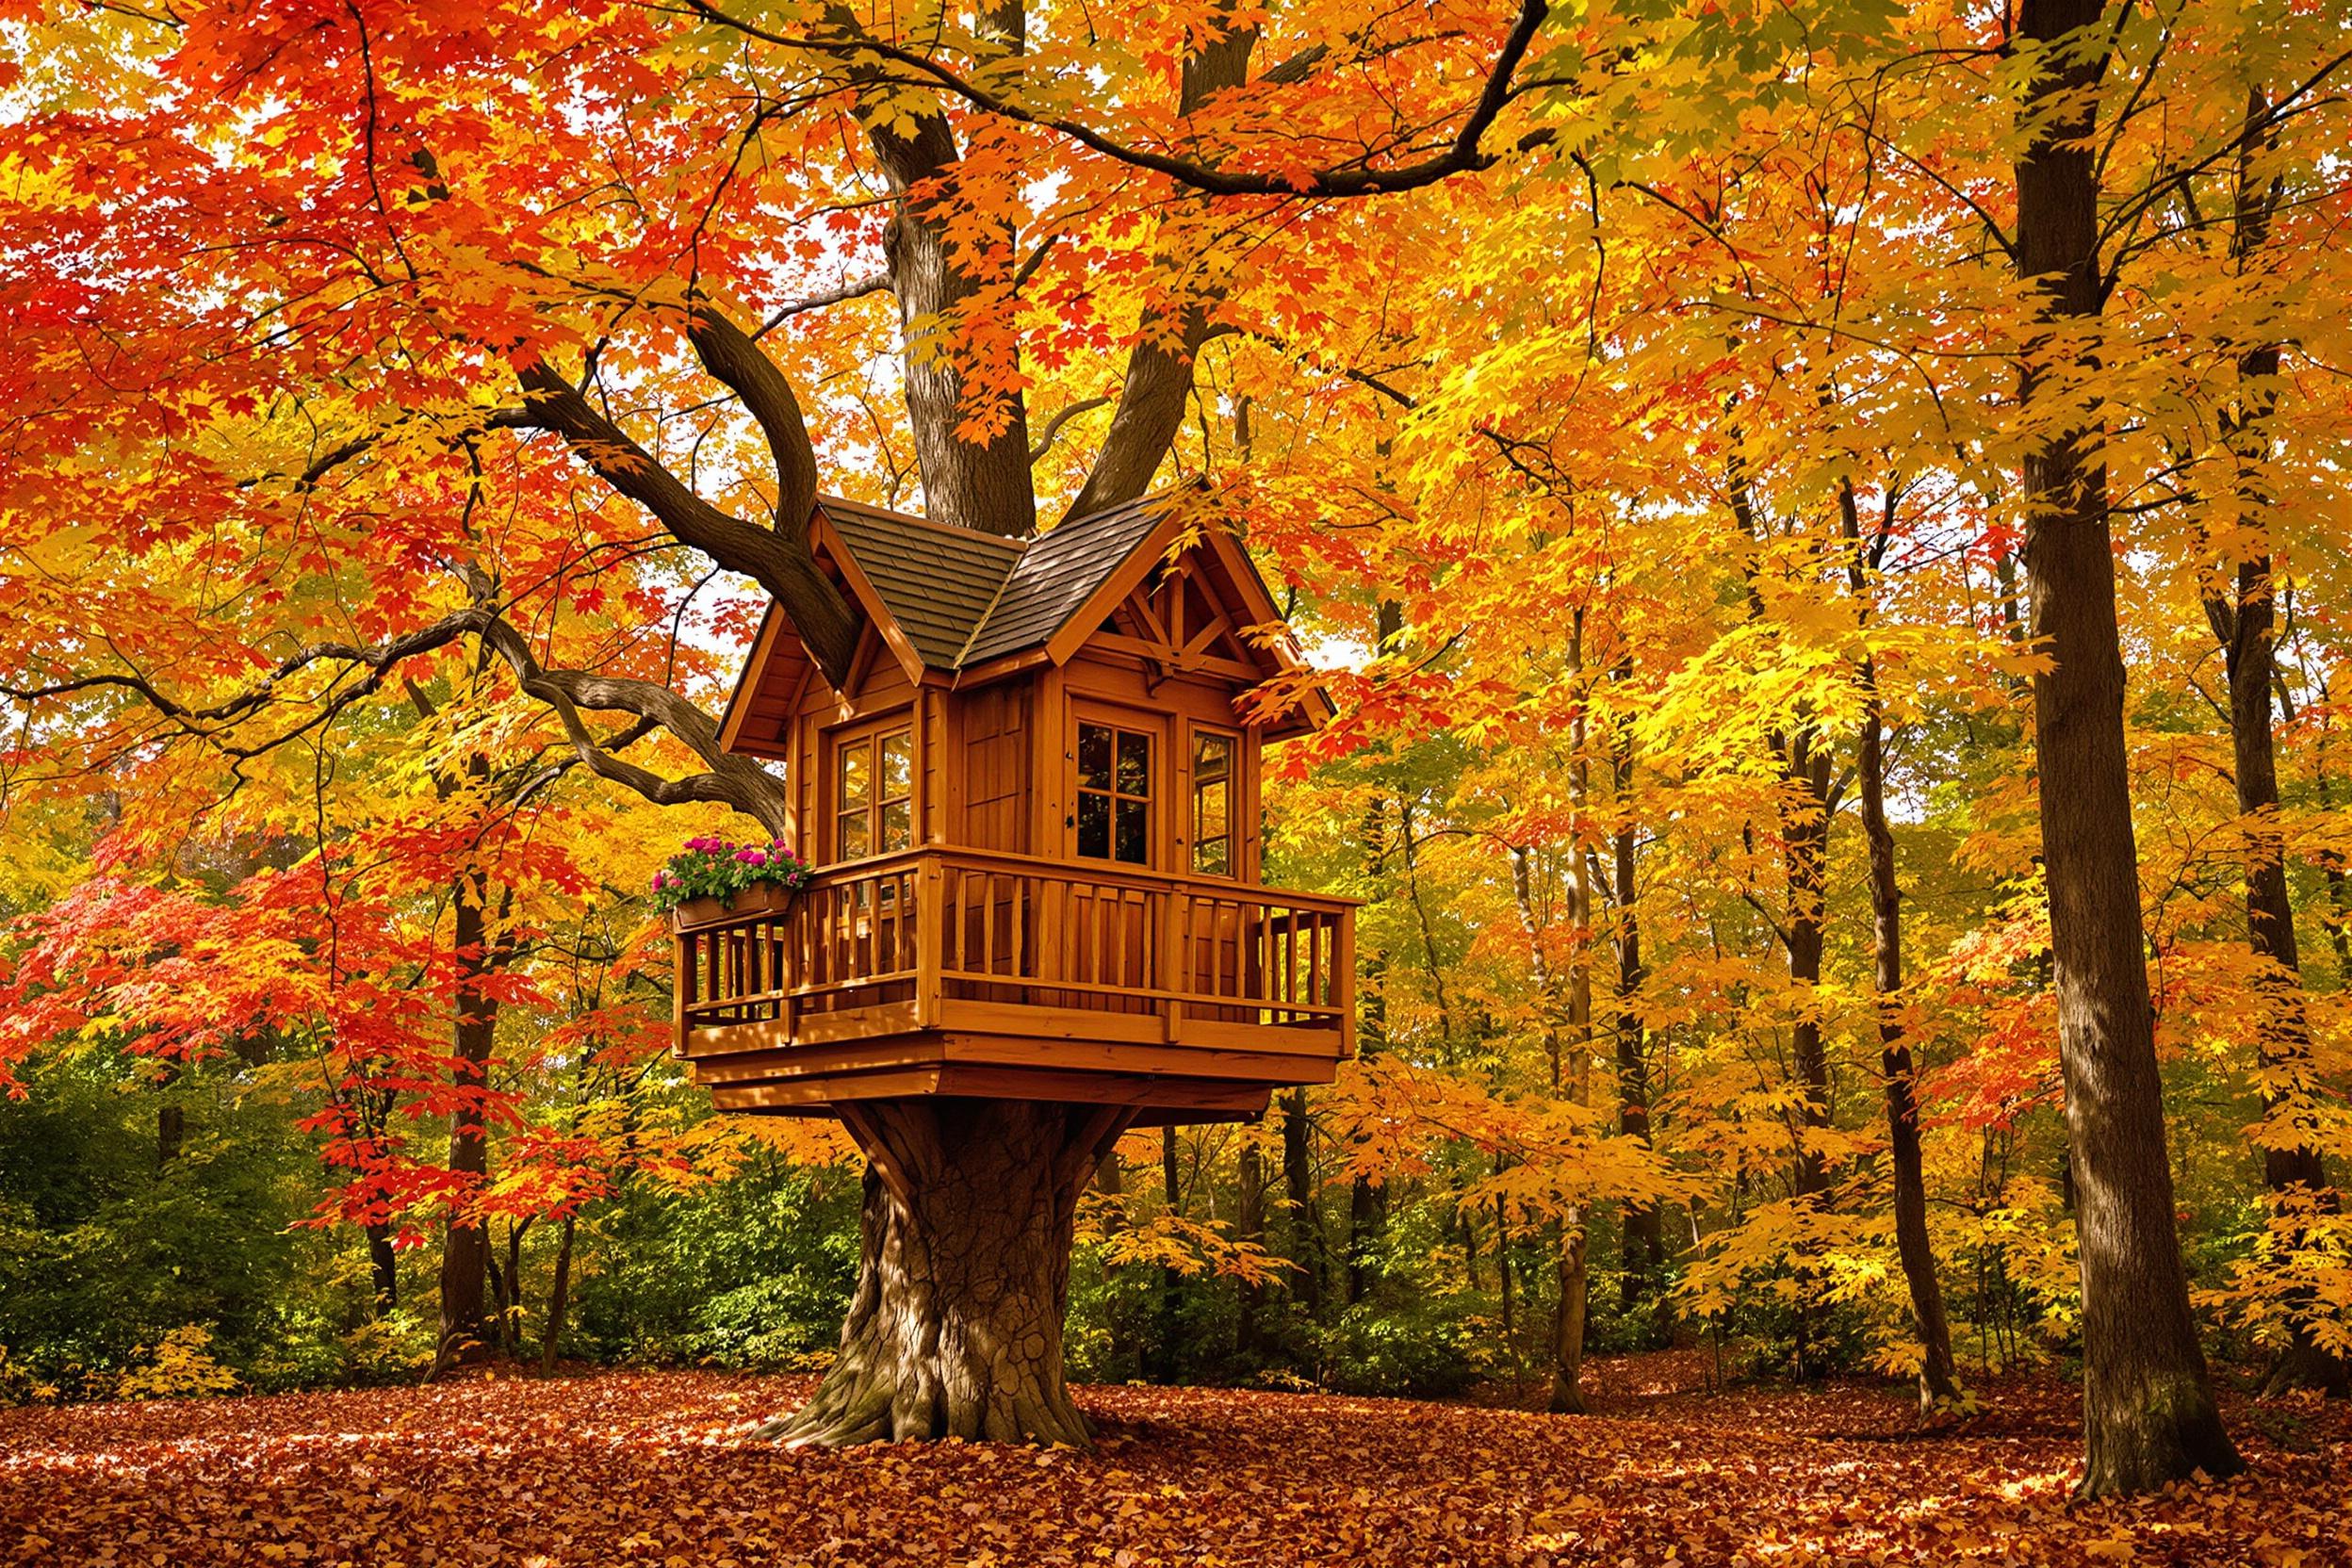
point(972, 973)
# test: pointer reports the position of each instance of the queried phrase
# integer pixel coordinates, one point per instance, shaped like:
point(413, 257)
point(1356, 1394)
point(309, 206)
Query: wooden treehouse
point(1034, 813)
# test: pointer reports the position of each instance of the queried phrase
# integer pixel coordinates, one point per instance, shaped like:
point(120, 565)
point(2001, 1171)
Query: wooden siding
point(996, 747)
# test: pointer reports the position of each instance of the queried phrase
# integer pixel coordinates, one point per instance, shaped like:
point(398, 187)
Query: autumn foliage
point(1662, 426)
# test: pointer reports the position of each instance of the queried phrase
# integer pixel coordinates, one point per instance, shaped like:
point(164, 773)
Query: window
point(874, 795)
point(1114, 794)
point(1212, 804)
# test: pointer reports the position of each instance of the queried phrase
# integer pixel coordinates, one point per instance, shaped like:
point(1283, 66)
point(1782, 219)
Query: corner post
point(1344, 978)
point(930, 939)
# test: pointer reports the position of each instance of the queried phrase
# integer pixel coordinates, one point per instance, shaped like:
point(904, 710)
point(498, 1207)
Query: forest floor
point(654, 1468)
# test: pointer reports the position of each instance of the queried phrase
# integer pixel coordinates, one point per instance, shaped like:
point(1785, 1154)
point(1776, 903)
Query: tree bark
point(963, 1278)
point(2244, 617)
point(1568, 1316)
point(559, 1295)
point(383, 1269)
point(1939, 1378)
point(1306, 1223)
point(2147, 1405)
point(465, 1248)
point(1250, 1229)
point(1642, 1231)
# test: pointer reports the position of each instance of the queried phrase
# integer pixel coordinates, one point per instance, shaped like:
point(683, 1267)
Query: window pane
point(857, 770)
point(1135, 832)
point(1094, 826)
point(1210, 858)
point(898, 765)
point(1208, 817)
point(1212, 757)
point(1094, 756)
point(855, 842)
point(1135, 765)
point(898, 825)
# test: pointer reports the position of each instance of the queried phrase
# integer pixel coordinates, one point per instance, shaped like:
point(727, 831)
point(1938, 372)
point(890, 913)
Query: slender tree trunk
point(1642, 1231)
point(1567, 1391)
point(559, 1295)
point(963, 1279)
point(465, 1330)
point(1939, 1378)
point(2147, 1405)
point(382, 1269)
point(1250, 1228)
point(2244, 621)
point(1306, 1224)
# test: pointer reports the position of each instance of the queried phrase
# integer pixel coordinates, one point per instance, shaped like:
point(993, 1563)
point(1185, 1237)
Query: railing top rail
point(1101, 872)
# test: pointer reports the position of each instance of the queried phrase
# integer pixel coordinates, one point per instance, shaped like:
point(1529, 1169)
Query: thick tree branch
point(857, 289)
point(778, 561)
point(1461, 154)
point(731, 356)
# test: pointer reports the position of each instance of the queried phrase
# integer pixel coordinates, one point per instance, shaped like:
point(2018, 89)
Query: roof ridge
point(980, 623)
point(980, 536)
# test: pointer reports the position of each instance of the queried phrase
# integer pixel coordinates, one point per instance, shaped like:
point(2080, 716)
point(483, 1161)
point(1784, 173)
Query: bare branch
point(1053, 427)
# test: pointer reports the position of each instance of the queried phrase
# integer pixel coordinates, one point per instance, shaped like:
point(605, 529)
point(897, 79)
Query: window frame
point(1154, 728)
point(870, 738)
point(1194, 784)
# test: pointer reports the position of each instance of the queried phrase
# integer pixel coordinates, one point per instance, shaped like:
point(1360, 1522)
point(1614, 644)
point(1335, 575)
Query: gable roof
point(953, 599)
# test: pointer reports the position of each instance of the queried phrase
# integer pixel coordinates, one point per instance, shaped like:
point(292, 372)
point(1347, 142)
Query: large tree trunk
point(963, 1277)
point(2147, 1405)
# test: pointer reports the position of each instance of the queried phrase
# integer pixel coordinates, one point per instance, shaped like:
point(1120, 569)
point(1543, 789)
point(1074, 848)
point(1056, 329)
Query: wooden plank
point(1099, 1088)
point(821, 1092)
point(1289, 1039)
point(1061, 1024)
point(1172, 1061)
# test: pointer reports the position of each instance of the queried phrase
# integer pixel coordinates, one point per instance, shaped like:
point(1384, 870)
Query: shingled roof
point(963, 597)
point(936, 581)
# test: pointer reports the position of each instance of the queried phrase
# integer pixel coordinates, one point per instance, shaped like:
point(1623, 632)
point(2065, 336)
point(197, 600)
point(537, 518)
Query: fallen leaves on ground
point(655, 1468)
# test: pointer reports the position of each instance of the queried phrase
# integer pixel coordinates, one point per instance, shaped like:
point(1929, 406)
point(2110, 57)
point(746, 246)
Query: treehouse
point(1034, 807)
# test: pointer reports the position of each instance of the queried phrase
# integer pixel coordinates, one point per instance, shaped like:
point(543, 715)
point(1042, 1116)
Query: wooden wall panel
point(999, 741)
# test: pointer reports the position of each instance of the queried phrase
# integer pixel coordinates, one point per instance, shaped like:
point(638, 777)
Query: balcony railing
point(1009, 945)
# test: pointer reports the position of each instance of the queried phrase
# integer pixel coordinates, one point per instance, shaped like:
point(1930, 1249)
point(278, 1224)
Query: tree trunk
point(1940, 1379)
point(465, 1248)
point(1306, 1225)
point(1642, 1231)
point(2246, 624)
point(1567, 1393)
point(559, 1295)
point(1367, 1212)
point(963, 1277)
point(1250, 1229)
point(2148, 1405)
point(384, 1268)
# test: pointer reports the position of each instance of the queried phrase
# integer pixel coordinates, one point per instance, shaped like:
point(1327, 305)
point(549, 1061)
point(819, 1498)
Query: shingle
point(963, 597)
point(936, 581)
point(1056, 575)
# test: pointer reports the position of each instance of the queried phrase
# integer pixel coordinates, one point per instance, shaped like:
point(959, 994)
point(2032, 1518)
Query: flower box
point(761, 898)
